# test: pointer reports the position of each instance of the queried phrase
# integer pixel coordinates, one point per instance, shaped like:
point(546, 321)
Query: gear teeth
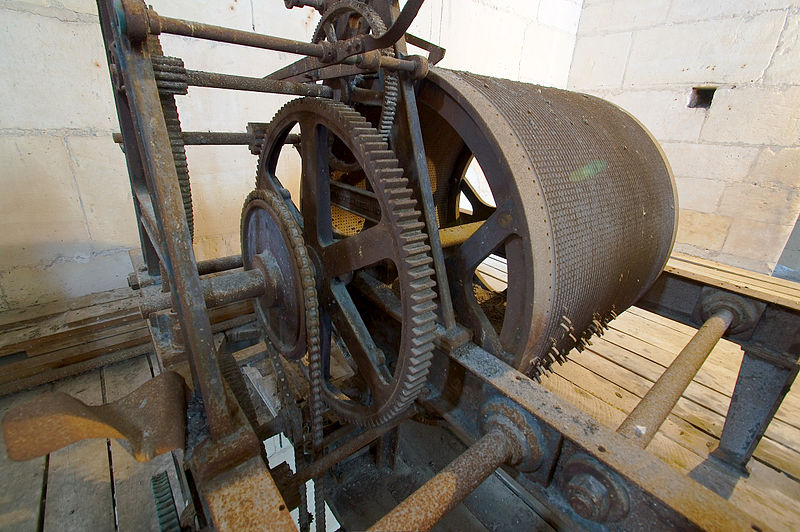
point(416, 247)
point(425, 319)
point(402, 211)
point(419, 260)
point(416, 236)
point(423, 301)
point(384, 154)
point(411, 226)
point(405, 214)
point(420, 272)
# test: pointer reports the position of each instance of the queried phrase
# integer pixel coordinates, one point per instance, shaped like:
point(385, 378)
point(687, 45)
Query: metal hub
point(271, 242)
point(346, 19)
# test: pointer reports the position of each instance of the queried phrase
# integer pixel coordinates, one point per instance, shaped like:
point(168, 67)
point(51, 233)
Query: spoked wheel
point(383, 242)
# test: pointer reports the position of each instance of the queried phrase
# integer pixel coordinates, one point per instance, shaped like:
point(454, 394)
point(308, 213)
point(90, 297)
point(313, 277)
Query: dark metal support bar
point(197, 78)
point(655, 487)
point(215, 138)
point(340, 453)
point(428, 206)
point(764, 379)
point(141, 102)
point(425, 507)
point(643, 423)
point(209, 32)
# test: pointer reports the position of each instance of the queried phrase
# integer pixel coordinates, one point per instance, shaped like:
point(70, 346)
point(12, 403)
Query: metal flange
point(521, 428)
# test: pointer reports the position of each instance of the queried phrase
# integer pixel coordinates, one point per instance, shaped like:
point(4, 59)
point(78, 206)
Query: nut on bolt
point(588, 497)
point(595, 492)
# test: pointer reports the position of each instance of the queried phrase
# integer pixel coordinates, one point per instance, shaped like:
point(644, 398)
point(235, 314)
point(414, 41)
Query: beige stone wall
point(525, 40)
point(737, 164)
point(66, 215)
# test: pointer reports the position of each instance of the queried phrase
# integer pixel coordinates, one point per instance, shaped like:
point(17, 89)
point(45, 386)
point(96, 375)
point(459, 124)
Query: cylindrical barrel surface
point(576, 198)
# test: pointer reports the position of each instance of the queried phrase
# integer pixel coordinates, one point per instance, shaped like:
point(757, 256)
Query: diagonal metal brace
point(152, 419)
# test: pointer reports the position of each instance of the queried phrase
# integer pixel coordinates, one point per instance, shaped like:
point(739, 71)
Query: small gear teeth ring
point(391, 81)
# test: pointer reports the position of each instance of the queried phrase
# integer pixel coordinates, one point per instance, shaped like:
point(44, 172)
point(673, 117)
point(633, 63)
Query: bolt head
point(588, 496)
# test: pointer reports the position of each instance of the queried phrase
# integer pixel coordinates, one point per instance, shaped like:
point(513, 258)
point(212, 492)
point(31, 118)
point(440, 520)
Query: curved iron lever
point(151, 419)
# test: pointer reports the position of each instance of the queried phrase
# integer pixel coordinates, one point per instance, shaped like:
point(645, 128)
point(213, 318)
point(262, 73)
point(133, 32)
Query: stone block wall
point(736, 163)
point(525, 40)
point(66, 214)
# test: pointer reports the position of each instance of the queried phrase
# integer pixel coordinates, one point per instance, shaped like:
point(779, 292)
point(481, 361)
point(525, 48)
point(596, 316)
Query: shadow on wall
point(64, 275)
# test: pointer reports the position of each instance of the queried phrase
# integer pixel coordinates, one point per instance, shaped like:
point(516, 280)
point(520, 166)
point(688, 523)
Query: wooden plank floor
point(608, 379)
point(96, 485)
point(91, 485)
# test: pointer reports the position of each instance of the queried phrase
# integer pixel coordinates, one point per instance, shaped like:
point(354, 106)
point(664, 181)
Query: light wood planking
point(17, 318)
point(133, 496)
point(762, 497)
point(751, 284)
point(21, 485)
point(78, 477)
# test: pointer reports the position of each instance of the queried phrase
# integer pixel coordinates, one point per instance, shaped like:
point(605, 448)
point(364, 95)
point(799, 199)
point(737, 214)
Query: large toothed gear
point(388, 247)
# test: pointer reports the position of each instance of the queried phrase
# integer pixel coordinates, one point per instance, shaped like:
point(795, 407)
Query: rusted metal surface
point(340, 453)
point(426, 506)
point(568, 273)
point(216, 80)
point(654, 488)
point(138, 101)
point(151, 419)
point(217, 291)
point(768, 333)
point(219, 264)
point(358, 44)
point(380, 203)
point(245, 497)
point(644, 421)
point(399, 238)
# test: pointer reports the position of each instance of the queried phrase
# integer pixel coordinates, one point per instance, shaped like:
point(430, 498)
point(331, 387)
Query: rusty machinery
point(371, 288)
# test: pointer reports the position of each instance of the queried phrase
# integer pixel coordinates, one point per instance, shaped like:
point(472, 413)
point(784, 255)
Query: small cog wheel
point(346, 19)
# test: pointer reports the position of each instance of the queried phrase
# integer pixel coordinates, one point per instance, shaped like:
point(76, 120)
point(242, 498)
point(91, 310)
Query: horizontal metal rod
point(198, 78)
point(216, 138)
point(643, 423)
point(425, 507)
point(217, 291)
point(210, 32)
point(340, 453)
point(219, 264)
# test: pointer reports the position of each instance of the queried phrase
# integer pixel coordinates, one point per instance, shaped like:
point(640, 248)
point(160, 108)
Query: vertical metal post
point(764, 379)
point(643, 423)
point(428, 206)
point(144, 127)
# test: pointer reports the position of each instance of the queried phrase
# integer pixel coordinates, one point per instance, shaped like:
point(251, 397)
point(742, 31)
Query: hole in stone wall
point(701, 97)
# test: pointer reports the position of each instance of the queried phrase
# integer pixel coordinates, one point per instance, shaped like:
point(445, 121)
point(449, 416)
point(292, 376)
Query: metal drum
point(582, 210)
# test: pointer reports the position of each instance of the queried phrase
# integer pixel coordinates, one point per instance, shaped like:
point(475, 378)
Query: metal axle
point(426, 506)
point(643, 423)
